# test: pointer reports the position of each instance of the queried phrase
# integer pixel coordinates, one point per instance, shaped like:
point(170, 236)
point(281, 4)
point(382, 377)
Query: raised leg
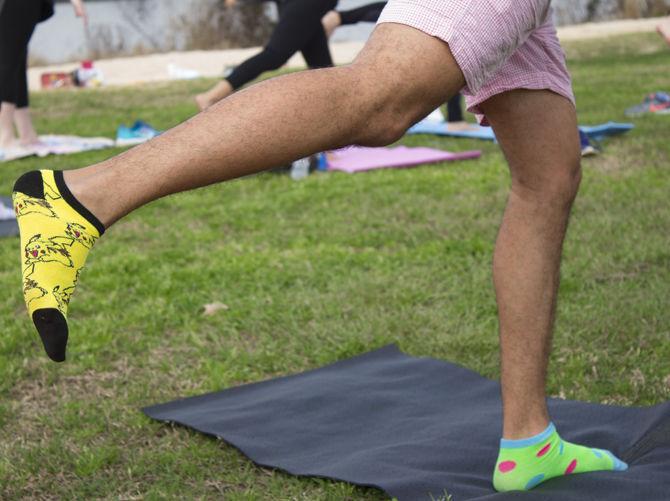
point(370, 102)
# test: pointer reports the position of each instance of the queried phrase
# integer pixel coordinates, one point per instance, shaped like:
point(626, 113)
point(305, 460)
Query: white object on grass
point(180, 73)
point(435, 116)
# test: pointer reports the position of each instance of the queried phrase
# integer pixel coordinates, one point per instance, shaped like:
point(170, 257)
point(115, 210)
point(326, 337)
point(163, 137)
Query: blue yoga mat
point(594, 132)
point(442, 129)
point(600, 132)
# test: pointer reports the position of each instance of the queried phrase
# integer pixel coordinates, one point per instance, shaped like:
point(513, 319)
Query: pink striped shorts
point(500, 45)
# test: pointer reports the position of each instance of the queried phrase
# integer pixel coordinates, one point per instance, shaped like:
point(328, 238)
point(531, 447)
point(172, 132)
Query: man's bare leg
point(542, 149)
point(543, 153)
point(370, 102)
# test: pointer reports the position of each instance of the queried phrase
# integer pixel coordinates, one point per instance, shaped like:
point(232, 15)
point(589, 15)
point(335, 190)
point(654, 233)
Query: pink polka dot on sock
point(506, 466)
point(544, 450)
point(571, 467)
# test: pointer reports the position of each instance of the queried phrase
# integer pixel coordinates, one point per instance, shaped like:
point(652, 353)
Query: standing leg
point(543, 153)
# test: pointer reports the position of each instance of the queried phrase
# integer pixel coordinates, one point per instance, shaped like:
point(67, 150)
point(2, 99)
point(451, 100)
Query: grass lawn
point(313, 272)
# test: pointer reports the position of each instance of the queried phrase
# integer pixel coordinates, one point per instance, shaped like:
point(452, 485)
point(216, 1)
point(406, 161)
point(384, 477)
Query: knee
point(557, 185)
point(567, 176)
point(387, 105)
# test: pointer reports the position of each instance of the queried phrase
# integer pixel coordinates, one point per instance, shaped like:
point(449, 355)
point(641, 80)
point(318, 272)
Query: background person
point(18, 19)
point(299, 30)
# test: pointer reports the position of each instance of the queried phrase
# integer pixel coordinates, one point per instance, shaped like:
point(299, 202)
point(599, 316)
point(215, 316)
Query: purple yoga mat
point(359, 159)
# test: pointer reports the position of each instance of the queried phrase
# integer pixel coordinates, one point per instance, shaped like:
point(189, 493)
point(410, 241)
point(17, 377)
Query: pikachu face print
point(40, 250)
point(23, 204)
point(79, 234)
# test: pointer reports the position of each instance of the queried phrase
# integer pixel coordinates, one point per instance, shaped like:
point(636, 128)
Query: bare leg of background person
point(221, 90)
point(25, 128)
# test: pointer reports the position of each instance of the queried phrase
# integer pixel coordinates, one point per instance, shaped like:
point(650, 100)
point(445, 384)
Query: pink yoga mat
point(359, 159)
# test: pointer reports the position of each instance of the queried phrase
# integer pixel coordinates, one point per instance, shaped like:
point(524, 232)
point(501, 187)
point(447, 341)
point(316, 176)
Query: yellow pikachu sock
point(57, 232)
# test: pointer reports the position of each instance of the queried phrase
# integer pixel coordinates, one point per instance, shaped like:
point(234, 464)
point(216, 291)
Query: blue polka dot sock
point(524, 464)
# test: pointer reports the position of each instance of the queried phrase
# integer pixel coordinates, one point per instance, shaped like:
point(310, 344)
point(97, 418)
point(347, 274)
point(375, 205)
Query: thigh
point(482, 34)
point(408, 71)
point(537, 131)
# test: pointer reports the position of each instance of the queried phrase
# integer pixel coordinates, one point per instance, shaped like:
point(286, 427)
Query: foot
point(220, 91)
point(524, 464)
point(57, 233)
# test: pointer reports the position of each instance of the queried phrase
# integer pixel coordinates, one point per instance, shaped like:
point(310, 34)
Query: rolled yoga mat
point(419, 427)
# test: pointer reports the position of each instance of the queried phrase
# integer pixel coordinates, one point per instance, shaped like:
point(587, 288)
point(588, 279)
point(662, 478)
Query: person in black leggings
point(299, 30)
point(18, 19)
point(369, 13)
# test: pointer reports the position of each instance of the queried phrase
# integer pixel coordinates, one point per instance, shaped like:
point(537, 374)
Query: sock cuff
point(526, 442)
point(76, 204)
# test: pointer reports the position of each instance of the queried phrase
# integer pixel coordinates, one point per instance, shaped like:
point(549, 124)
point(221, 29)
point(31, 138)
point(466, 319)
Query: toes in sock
point(57, 233)
point(524, 464)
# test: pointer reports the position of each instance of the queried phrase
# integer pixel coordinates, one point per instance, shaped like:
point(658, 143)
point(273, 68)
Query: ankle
point(529, 426)
point(80, 185)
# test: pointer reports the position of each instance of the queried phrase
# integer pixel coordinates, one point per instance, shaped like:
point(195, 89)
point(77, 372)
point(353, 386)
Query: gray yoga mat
point(419, 427)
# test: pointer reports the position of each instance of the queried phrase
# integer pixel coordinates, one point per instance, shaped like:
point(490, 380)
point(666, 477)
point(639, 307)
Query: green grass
point(313, 272)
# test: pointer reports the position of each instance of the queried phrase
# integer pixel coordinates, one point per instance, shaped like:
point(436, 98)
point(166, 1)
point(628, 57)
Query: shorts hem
point(544, 83)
